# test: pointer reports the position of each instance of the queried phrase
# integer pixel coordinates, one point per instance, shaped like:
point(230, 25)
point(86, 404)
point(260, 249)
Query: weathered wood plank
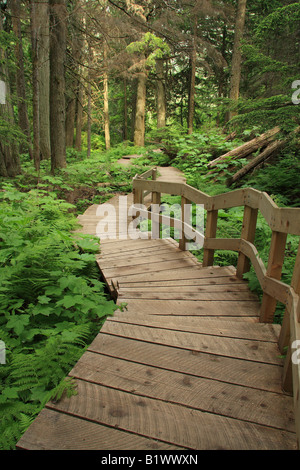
point(234, 401)
point(209, 326)
point(189, 307)
point(169, 422)
point(259, 351)
point(147, 267)
point(225, 369)
point(230, 282)
point(58, 431)
point(186, 294)
point(185, 272)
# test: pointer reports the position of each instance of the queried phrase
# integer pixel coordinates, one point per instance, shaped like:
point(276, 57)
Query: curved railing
point(282, 221)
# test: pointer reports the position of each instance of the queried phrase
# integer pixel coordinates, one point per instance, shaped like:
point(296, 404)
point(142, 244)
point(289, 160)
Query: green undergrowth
point(280, 179)
point(52, 304)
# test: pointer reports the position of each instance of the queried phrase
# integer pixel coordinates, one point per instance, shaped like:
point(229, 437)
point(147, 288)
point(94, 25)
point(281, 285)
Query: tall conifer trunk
point(58, 16)
point(237, 56)
point(20, 75)
point(161, 94)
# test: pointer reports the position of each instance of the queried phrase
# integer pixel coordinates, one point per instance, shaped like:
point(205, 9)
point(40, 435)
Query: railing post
point(154, 176)
point(274, 269)
point(183, 240)
point(155, 227)
point(284, 337)
point(248, 234)
point(210, 232)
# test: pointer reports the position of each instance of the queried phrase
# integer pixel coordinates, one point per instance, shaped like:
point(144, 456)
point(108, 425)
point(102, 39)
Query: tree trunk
point(70, 121)
point(125, 128)
point(79, 118)
point(237, 56)
point(139, 128)
point(269, 151)
point(193, 59)
point(20, 75)
point(58, 16)
point(35, 83)
point(247, 148)
point(44, 80)
point(89, 118)
point(161, 94)
point(9, 152)
point(105, 101)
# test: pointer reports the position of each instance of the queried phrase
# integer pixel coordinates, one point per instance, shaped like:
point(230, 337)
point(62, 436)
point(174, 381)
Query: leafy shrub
point(52, 303)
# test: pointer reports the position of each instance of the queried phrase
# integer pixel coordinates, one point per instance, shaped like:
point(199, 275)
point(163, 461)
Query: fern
point(52, 305)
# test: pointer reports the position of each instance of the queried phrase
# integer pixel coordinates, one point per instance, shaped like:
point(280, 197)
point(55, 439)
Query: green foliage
point(51, 303)
point(152, 46)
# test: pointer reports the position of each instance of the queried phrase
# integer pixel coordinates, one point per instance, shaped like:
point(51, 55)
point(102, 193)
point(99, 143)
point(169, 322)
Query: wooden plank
point(210, 232)
point(230, 282)
point(275, 263)
point(248, 233)
point(209, 326)
point(257, 375)
point(229, 400)
point(136, 252)
point(186, 286)
point(145, 259)
point(259, 351)
point(59, 431)
point(173, 293)
point(120, 246)
point(118, 272)
point(186, 272)
point(203, 308)
point(168, 422)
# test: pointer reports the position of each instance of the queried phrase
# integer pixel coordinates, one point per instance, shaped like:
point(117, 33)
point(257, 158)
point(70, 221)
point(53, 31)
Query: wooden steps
point(185, 366)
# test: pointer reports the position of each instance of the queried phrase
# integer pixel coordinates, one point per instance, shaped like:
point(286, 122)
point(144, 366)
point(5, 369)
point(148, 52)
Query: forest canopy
point(97, 73)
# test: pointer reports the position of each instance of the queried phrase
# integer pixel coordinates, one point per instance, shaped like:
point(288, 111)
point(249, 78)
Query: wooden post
point(183, 240)
point(275, 263)
point(210, 232)
point(155, 228)
point(248, 234)
point(284, 337)
point(154, 176)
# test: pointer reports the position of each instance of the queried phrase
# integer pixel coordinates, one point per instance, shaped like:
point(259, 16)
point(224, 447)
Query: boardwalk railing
point(282, 221)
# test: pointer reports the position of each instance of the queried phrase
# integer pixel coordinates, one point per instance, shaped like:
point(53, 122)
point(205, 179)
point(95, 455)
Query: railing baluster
point(183, 240)
point(210, 232)
point(284, 338)
point(274, 269)
point(248, 234)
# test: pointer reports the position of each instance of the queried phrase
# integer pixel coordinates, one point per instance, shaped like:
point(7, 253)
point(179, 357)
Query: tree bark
point(139, 128)
point(44, 79)
point(35, 83)
point(248, 147)
point(193, 59)
point(79, 118)
point(58, 15)
point(161, 95)
point(9, 152)
point(20, 75)
point(125, 128)
point(105, 100)
point(237, 56)
point(269, 151)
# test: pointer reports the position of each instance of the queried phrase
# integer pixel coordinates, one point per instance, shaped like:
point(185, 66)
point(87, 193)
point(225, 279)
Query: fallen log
point(269, 151)
point(249, 147)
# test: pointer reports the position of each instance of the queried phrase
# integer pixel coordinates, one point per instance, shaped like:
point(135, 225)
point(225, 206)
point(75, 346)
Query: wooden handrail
point(282, 221)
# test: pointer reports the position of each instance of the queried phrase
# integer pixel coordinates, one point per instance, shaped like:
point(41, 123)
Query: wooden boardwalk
point(187, 365)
